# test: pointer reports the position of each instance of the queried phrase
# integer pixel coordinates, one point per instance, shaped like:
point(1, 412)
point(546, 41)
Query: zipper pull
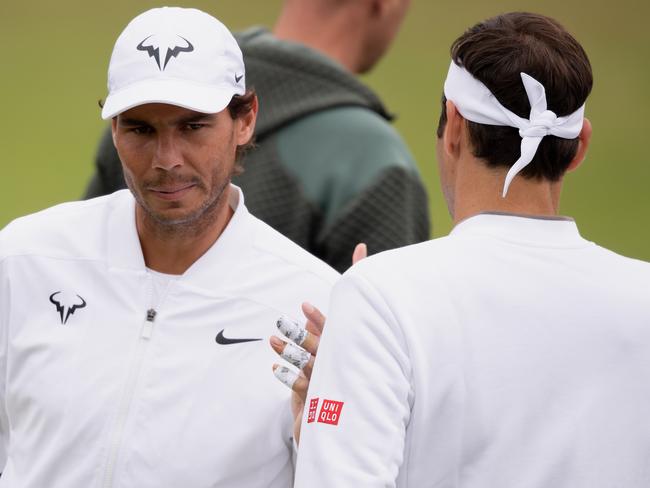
point(147, 328)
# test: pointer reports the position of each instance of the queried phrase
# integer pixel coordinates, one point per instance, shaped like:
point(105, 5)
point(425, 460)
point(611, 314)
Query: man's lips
point(171, 192)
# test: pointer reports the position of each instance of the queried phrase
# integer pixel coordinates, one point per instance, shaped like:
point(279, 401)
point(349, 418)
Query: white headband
point(476, 103)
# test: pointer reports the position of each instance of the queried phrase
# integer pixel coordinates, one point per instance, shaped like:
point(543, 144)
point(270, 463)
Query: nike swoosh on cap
point(226, 340)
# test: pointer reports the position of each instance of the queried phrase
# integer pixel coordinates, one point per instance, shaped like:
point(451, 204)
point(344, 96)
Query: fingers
point(292, 379)
point(315, 319)
point(360, 252)
point(301, 336)
point(285, 375)
point(290, 352)
point(302, 352)
point(294, 355)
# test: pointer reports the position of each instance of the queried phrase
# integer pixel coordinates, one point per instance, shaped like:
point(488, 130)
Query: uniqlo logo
point(313, 407)
point(330, 412)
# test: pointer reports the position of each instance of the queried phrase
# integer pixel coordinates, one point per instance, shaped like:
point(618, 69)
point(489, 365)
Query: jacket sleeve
point(108, 176)
point(360, 396)
point(391, 212)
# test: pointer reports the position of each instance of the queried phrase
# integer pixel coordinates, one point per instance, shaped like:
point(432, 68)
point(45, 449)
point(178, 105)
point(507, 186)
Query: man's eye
point(141, 130)
point(194, 126)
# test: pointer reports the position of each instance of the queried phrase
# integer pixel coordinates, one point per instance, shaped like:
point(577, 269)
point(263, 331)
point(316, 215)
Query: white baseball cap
point(179, 56)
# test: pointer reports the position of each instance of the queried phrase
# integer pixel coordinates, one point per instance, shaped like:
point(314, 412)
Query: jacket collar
point(524, 229)
point(124, 250)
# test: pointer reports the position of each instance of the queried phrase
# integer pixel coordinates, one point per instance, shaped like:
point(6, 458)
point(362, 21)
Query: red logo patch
point(330, 412)
point(313, 407)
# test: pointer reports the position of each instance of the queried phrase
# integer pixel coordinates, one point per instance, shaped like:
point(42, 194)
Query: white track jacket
point(103, 386)
point(511, 354)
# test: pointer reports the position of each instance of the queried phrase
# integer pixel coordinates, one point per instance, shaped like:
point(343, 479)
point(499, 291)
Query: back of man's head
point(356, 33)
point(496, 52)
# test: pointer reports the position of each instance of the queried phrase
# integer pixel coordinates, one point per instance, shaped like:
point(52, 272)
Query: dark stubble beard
point(193, 224)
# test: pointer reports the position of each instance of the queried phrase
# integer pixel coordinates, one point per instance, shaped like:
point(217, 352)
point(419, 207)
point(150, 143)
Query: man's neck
point(172, 249)
point(481, 192)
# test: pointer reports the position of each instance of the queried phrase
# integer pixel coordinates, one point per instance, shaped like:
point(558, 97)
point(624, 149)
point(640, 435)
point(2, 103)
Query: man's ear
point(452, 134)
point(583, 144)
point(245, 124)
point(114, 128)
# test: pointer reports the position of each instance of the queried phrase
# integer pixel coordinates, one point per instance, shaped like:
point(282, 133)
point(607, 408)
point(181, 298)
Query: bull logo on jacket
point(66, 304)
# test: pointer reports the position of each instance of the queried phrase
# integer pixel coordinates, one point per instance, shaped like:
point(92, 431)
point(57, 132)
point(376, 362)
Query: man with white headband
point(513, 352)
point(133, 327)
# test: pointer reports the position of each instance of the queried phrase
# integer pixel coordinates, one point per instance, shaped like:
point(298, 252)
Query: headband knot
point(541, 125)
point(476, 103)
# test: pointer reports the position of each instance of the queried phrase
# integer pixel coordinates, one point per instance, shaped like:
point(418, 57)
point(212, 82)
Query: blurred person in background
point(512, 352)
point(132, 325)
point(328, 170)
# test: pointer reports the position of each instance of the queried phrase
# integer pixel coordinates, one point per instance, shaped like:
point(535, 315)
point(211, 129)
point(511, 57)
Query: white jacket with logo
point(101, 387)
point(511, 354)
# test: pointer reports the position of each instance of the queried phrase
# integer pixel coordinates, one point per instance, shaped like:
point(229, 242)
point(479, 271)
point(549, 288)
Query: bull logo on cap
point(173, 50)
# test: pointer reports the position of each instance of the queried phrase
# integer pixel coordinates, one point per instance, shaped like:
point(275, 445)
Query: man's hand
point(301, 353)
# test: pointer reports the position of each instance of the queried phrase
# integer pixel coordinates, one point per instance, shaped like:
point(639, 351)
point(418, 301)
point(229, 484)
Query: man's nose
point(167, 154)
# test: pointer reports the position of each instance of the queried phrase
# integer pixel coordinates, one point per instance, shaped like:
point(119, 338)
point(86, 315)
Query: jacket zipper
point(125, 403)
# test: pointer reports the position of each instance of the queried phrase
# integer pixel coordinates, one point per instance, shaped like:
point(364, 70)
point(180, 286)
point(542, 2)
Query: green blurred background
point(55, 54)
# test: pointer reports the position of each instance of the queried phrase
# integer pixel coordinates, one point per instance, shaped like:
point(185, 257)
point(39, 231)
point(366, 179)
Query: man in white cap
point(328, 170)
point(513, 352)
point(132, 326)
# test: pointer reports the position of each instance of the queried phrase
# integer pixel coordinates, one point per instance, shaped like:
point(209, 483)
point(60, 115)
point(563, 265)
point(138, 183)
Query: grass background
point(53, 71)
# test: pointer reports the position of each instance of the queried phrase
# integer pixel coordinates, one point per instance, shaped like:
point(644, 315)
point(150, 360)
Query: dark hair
point(239, 106)
point(495, 52)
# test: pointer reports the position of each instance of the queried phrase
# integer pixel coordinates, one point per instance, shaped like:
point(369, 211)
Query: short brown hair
point(239, 106)
point(495, 52)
